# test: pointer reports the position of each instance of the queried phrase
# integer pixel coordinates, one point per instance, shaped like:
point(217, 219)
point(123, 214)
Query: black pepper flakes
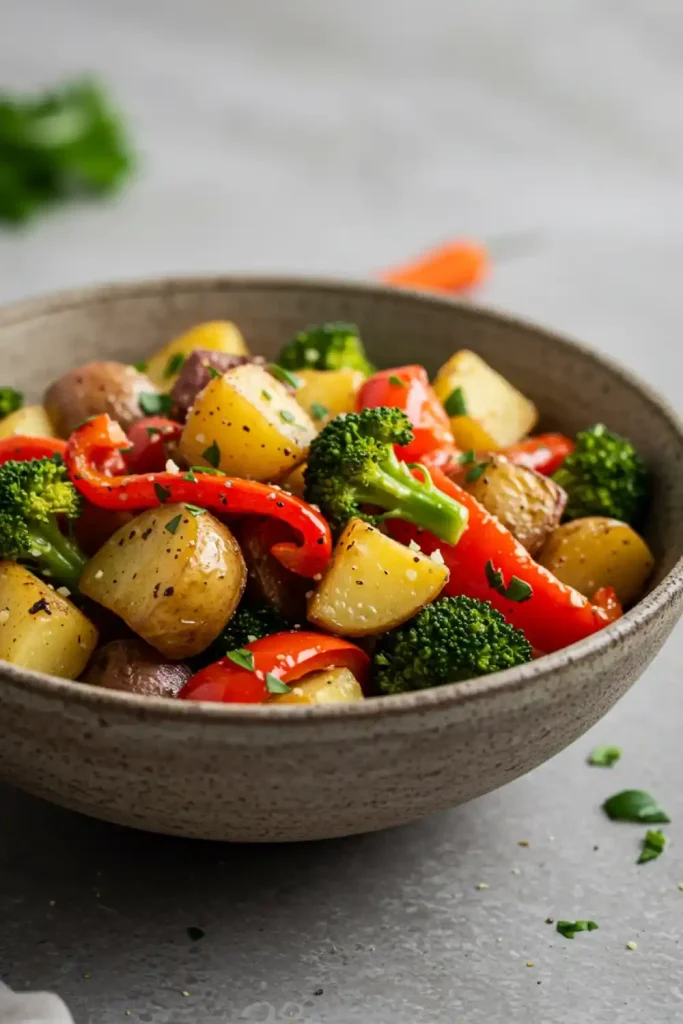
point(168, 592)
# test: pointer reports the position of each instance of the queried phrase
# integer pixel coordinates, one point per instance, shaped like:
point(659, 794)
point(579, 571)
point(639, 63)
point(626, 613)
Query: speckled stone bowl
point(291, 773)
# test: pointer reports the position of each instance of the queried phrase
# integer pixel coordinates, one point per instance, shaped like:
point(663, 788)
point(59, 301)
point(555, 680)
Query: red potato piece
point(101, 387)
point(132, 666)
point(196, 374)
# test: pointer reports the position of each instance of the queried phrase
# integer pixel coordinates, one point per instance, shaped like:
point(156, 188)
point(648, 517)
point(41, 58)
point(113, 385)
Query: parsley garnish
point(162, 493)
point(653, 845)
point(286, 416)
point(204, 469)
point(213, 372)
point(396, 381)
point(243, 658)
point(467, 458)
point(275, 685)
point(285, 376)
point(319, 411)
point(174, 364)
point(190, 477)
point(635, 805)
point(604, 757)
point(517, 590)
point(212, 454)
point(266, 395)
point(195, 510)
point(476, 471)
point(173, 524)
point(455, 404)
point(152, 431)
point(153, 404)
point(570, 928)
point(140, 366)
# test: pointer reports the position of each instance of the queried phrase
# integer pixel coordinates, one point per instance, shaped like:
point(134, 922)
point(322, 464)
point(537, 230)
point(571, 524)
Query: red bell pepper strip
point(287, 656)
point(148, 438)
point(22, 447)
point(552, 616)
point(545, 453)
point(452, 267)
point(606, 598)
point(100, 437)
point(408, 388)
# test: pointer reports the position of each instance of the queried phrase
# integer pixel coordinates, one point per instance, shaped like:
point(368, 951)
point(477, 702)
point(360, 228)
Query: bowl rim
point(436, 698)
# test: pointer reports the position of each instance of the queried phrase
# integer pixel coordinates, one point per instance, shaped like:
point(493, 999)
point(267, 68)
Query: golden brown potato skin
point(596, 552)
point(268, 582)
point(528, 504)
point(132, 666)
point(173, 577)
point(96, 388)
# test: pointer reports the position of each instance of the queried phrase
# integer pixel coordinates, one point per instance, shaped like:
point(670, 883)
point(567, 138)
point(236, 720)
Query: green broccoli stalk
point(32, 495)
point(453, 639)
point(352, 463)
point(10, 401)
point(250, 622)
point(333, 346)
point(603, 476)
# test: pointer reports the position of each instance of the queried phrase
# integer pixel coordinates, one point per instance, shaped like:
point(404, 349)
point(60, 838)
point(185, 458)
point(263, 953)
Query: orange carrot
point(452, 267)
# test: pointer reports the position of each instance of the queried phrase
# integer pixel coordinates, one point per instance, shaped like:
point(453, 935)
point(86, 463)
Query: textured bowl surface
point(266, 774)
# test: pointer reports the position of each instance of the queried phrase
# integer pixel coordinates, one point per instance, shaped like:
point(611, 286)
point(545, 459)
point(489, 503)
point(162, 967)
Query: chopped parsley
point(604, 757)
point(455, 404)
point(319, 411)
point(213, 372)
point(286, 376)
point(173, 524)
point(153, 431)
point(212, 454)
point(275, 685)
point(140, 366)
point(476, 471)
point(653, 845)
point(286, 416)
point(243, 658)
point(396, 381)
point(204, 469)
point(195, 510)
point(266, 395)
point(570, 928)
point(153, 404)
point(162, 493)
point(190, 477)
point(174, 364)
point(467, 458)
point(635, 805)
point(517, 590)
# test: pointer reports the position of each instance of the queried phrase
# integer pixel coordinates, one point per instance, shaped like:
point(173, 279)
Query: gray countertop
point(337, 138)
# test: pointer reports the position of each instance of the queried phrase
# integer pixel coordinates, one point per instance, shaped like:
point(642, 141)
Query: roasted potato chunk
point(32, 420)
point(333, 686)
point(132, 666)
point(173, 576)
point(246, 424)
point(596, 552)
point(498, 407)
point(373, 583)
point(327, 393)
point(268, 582)
point(468, 434)
point(93, 389)
point(528, 504)
point(39, 628)
point(216, 335)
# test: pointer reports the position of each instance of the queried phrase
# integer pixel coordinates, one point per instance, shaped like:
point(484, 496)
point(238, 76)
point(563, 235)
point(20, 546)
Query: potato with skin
point(216, 335)
point(332, 390)
point(528, 504)
point(333, 686)
point(247, 424)
point(102, 387)
point(373, 583)
point(32, 421)
point(498, 407)
point(174, 577)
point(596, 552)
point(132, 666)
point(268, 582)
point(39, 628)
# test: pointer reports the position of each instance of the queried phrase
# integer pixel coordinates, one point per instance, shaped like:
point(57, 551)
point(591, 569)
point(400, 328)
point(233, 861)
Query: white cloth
point(32, 1008)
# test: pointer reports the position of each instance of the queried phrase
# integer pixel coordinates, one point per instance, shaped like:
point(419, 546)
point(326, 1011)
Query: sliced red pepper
point(22, 447)
point(101, 437)
point(606, 598)
point(552, 617)
point(287, 656)
point(408, 388)
point(148, 438)
point(545, 453)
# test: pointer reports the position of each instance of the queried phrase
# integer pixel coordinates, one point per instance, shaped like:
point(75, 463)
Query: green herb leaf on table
point(319, 411)
point(153, 404)
point(275, 685)
point(635, 805)
point(243, 658)
point(653, 845)
point(455, 404)
point(604, 756)
point(212, 454)
point(174, 364)
point(570, 928)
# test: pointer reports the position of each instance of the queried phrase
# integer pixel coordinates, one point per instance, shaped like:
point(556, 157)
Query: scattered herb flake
point(195, 510)
point(266, 395)
point(455, 404)
point(190, 477)
point(162, 493)
point(319, 411)
point(196, 933)
point(243, 658)
point(174, 364)
point(206, 469)
point(153, 404)
point(173, 524)
point(212, 454)
point(285, 376)
point(517, 590)
point(635, 805)
point(213, 372)
point(653, 845)
point(476, 471)
point(467, 458)
point(275, 685)
point(604, 757)
point(140, 366)
point(286, 416)
point(152, 431)
point(570, 928)
point(396, 381)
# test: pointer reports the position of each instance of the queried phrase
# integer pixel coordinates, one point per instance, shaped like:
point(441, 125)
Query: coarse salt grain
point(411, 574)
point(4, 616)
point(414, 546)
point(437, 557)
point(201, 438)
point(171, 466)
point(64, 591)
point(99, 574)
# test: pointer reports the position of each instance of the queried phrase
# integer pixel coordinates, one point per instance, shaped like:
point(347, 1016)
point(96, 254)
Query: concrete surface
point(337, 138)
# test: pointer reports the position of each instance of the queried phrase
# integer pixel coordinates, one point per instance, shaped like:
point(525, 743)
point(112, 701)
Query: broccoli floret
point(10, 401)
point(333, 346)
point(32, 495)
point(603, 476)
point(249, 622)
point(453, 639)
point(352, 463)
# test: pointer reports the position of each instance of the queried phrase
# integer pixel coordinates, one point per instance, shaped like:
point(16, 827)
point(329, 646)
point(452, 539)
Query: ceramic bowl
point(290, 773)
